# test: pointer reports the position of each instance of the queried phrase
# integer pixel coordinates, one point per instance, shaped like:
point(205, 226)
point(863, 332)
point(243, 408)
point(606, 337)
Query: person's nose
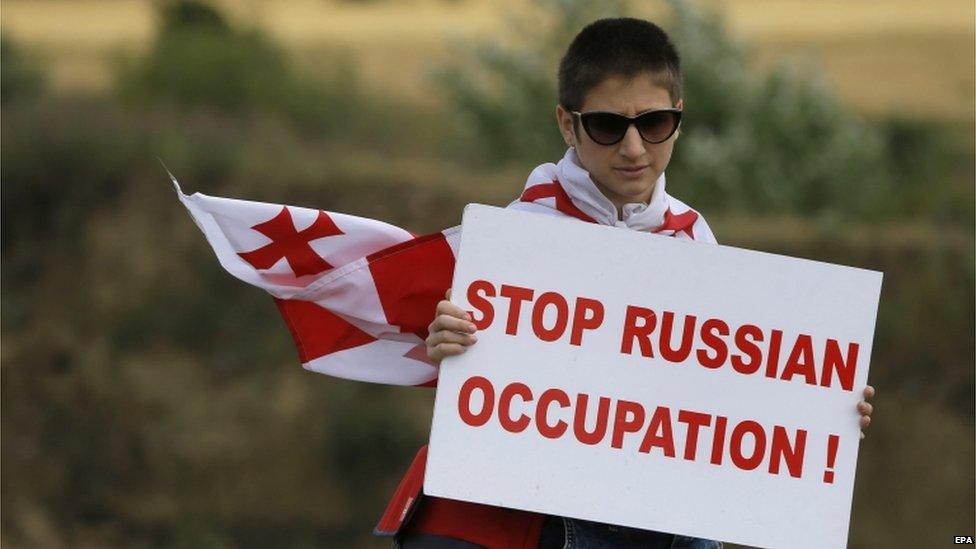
point(632, 146)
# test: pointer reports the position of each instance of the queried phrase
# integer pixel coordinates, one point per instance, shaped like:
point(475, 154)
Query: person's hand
point(451, 332)
point(865, 409)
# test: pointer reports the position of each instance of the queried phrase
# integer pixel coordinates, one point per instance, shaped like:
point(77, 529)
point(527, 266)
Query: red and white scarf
point(566, 189)
point(358, 294)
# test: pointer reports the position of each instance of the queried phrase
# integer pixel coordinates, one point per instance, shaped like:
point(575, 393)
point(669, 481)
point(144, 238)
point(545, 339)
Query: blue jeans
point(583, 534)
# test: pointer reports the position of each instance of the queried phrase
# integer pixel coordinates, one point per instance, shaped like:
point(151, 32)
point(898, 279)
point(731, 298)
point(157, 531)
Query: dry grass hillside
point(895, 56)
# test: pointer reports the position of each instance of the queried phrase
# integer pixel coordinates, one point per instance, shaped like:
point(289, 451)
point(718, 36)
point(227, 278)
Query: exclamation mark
point(832, 441)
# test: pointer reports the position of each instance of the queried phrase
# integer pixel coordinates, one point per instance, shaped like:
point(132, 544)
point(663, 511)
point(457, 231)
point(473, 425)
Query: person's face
point(624, 172)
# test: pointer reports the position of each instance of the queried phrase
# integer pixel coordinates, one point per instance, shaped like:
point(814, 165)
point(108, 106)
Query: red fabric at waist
point(493, 527)
point(482, 524)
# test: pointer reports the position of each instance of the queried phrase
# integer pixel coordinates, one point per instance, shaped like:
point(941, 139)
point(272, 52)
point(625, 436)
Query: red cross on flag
point(357, 294)
point(288, 243)
point(674, 224)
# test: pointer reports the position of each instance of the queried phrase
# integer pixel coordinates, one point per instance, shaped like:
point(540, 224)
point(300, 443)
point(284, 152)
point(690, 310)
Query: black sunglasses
point(608, 128)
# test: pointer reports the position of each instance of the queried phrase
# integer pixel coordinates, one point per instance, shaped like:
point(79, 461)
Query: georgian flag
point(357, 294)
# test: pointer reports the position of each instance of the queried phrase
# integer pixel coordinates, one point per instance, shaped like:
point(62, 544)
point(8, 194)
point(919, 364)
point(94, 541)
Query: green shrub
point(773, 143)
point(199, 61)
point(19, 74)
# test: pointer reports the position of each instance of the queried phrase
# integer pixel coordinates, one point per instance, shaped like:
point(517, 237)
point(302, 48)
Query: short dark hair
point(620, 46)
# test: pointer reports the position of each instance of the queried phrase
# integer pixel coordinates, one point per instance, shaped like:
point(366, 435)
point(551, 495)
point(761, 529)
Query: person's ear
point(566, 124)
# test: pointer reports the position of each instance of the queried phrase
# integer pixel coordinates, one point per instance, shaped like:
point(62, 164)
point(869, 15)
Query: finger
point(865, 421)
point(447, 294)
point(434, 355)
point(869, 392)
point(444, 350)
point(451, 323)
point(865, 408)
point(447, 308)
point(862, 435)
point(447, 336)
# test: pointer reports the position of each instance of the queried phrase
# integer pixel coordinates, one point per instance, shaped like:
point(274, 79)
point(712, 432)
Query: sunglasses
point(609, 128)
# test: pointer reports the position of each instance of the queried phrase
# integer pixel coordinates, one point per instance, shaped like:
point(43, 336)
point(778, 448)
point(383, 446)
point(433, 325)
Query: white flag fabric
point(359, 294)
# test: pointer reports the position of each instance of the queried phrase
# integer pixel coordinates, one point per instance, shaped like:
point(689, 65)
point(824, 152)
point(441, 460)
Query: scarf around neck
point(566, 189)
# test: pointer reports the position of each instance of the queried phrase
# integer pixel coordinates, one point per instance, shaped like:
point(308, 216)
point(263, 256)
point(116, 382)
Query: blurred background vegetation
point(149, 399)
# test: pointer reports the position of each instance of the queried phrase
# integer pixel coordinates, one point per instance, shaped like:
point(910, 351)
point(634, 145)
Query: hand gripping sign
point(644, 381)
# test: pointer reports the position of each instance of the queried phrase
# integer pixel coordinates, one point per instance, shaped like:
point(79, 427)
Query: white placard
point(744, 430)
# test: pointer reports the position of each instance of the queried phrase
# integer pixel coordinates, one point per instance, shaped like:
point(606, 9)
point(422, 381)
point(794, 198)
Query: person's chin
point(635, 190)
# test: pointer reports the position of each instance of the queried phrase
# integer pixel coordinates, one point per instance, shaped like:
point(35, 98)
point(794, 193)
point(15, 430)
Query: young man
point(619, 112)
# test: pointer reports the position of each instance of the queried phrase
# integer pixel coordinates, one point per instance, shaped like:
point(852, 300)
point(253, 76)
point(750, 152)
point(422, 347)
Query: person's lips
point(632, 171)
